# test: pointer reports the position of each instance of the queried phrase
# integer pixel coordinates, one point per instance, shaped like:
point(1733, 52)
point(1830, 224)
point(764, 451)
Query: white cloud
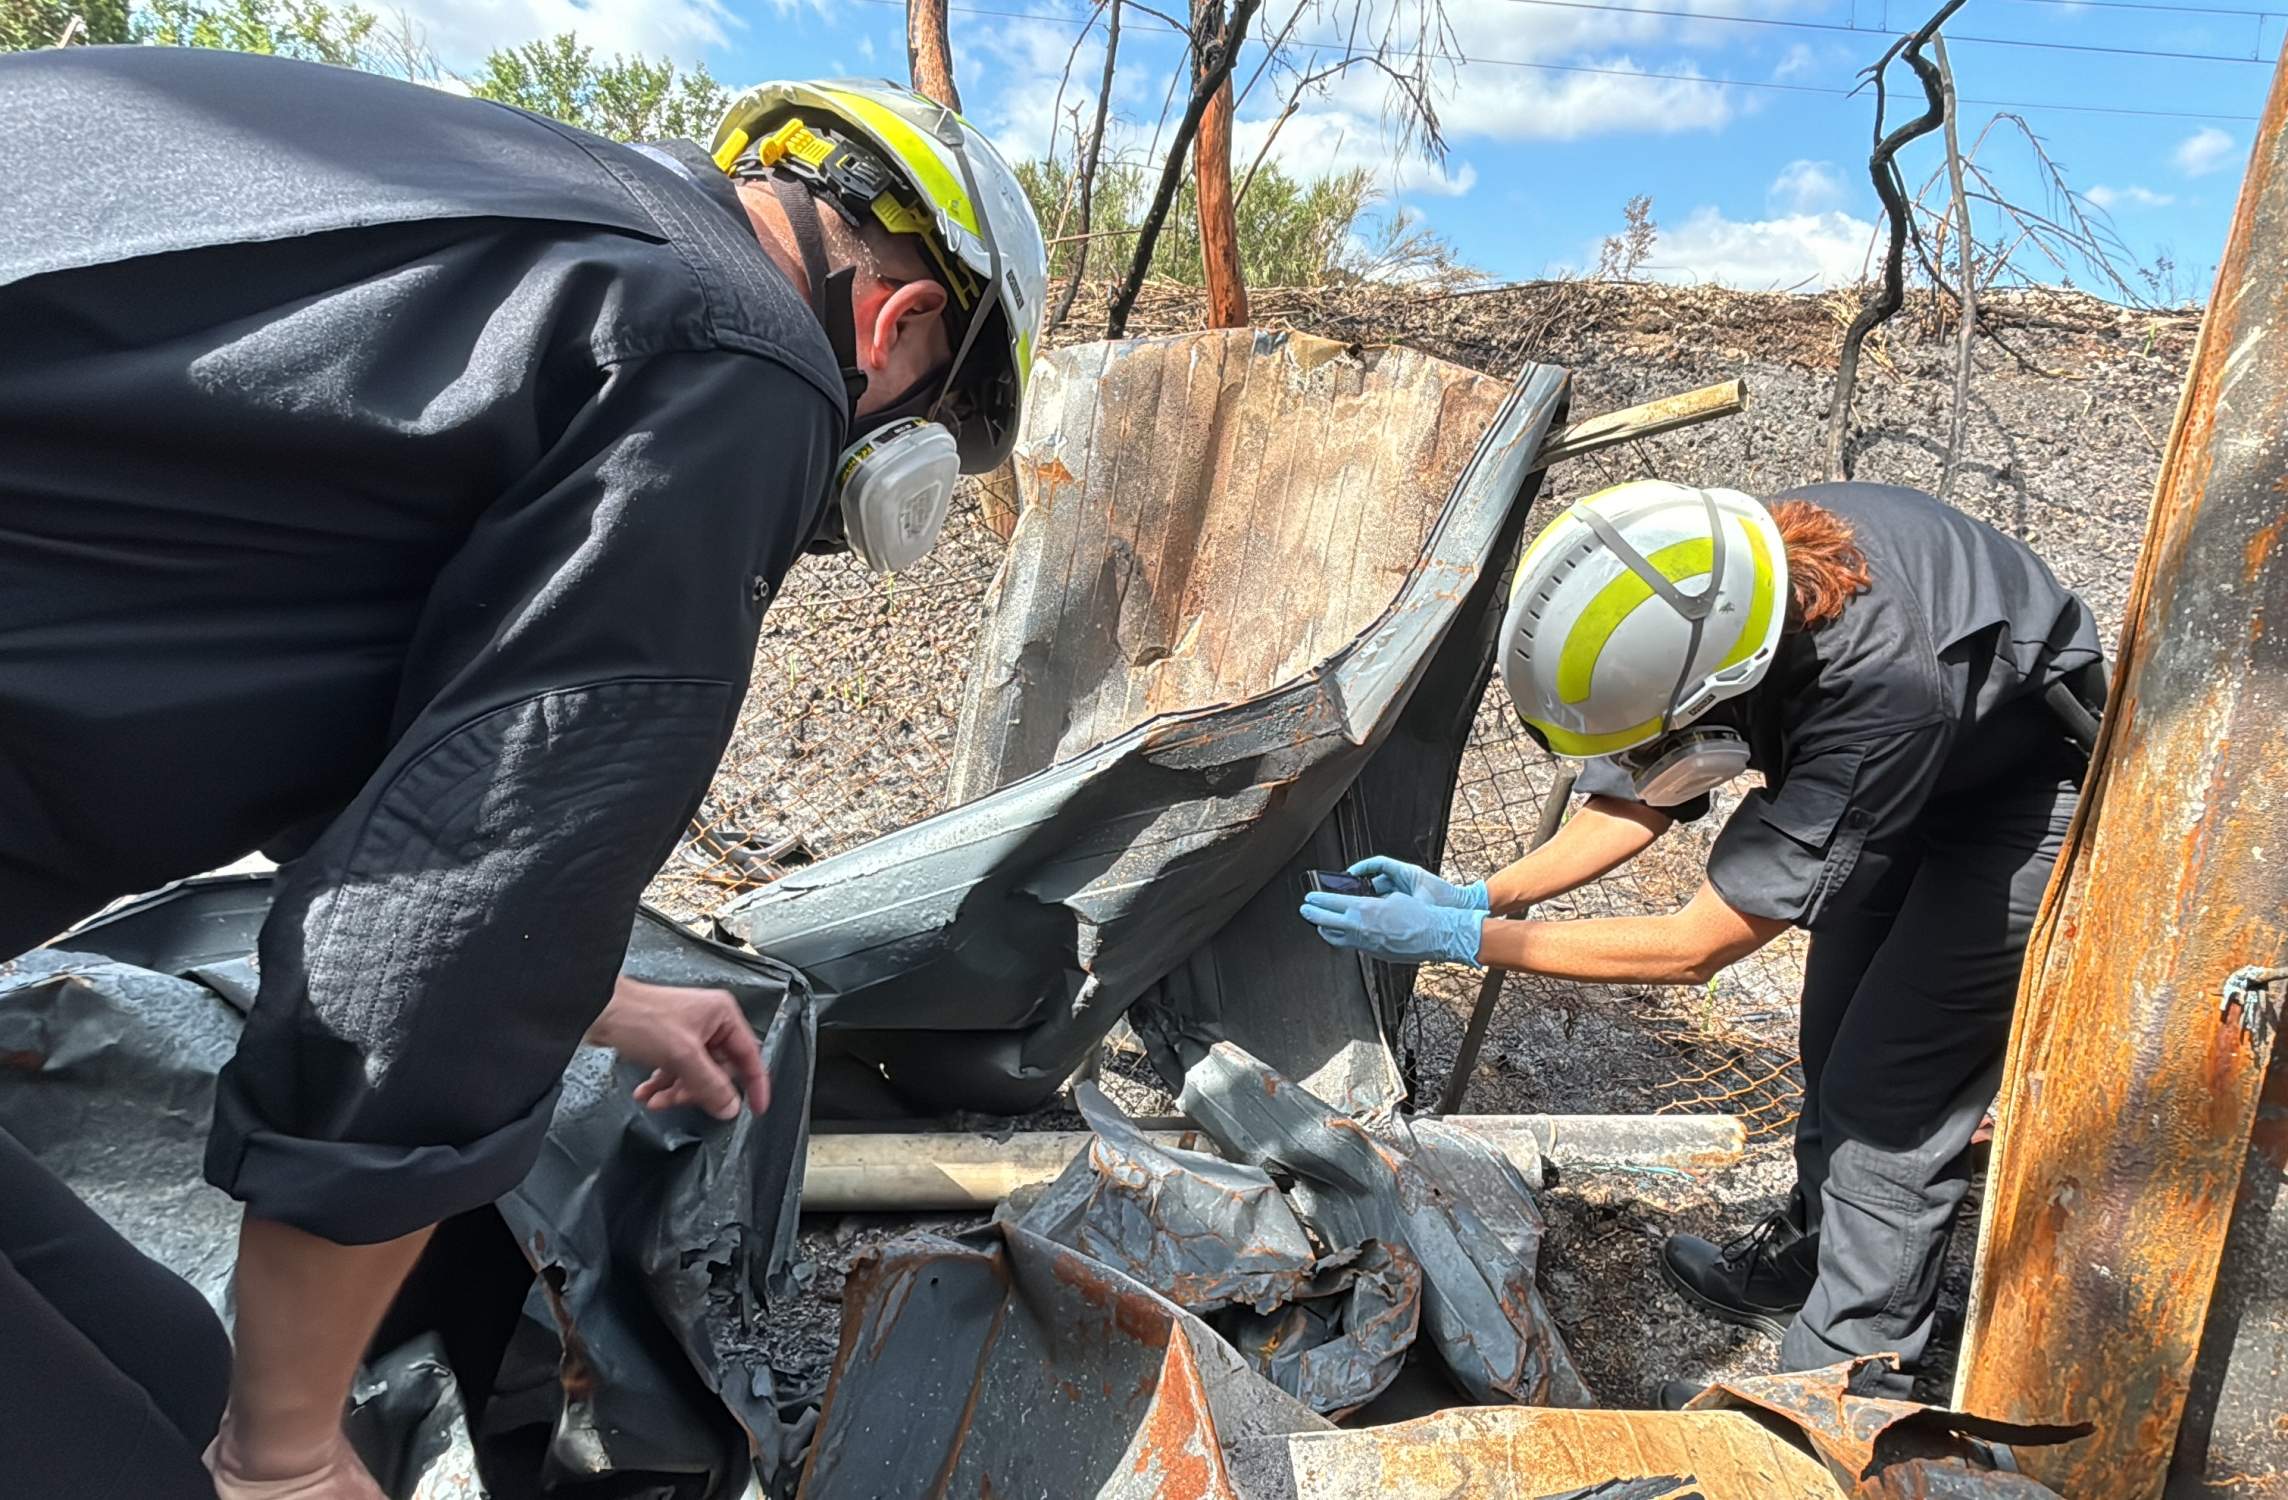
point(1804, 187)
point(866, 48)
point(1798, 62)
point(1346, 121)
point(2133, 196)
point(2206, 150)
point(1314, 143)
point(461, 32)
point(1790, 250)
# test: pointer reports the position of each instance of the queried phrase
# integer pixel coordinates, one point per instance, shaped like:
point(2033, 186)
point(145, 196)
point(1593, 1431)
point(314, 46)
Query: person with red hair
point(1919, 692)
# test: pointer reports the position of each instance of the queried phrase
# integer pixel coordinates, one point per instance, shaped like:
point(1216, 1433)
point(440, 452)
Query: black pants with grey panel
point(113, 1370)
point(1906, 1013)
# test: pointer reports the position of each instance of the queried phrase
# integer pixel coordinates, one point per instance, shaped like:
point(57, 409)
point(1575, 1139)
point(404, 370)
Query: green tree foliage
point(1291, 232)
point(25, 24)
point(343, 35)
point(628, 98)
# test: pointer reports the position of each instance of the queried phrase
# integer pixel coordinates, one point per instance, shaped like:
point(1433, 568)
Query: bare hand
point(696, 1042)
point(334, 1475)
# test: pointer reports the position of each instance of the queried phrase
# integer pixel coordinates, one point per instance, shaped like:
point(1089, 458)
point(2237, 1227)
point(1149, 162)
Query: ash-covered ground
point(858, 684)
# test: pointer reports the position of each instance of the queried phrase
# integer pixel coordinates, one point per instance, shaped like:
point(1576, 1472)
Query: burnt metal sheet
point(1946, 1479)
point(1537, 1453)
point(638, 1247)
point(1481, 1308)
point(2135, 1071)
point(1177, 704)
point(1859, 1436)
point(1203, 1232)
point(1007, 1365)
point(1786, 1437)
point(2233, 1440)
point(1218, 1240)
point(1344, 1338)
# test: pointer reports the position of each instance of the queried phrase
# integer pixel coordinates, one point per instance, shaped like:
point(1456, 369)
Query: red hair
point(1825, 566)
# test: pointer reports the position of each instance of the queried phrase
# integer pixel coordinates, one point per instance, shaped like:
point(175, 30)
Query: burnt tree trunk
point(1211, 167)
point(929, 52)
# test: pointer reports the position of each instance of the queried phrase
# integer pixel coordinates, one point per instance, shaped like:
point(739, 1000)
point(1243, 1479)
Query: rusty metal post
point(2145, 1020)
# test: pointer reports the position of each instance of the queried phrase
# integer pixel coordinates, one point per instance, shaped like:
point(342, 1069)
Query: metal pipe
point(1489, 988)
point(917, 1170)
point(1686, 409)
point(2141, 1045)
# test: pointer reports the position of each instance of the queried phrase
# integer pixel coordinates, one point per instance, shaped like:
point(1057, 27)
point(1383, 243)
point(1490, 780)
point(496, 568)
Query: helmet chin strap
point(829, 290)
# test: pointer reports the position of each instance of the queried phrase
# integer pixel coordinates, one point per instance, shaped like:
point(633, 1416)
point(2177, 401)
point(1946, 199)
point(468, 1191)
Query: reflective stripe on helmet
point(1563, 741)
point(1615, 602)
point(915, 154)
point(1760, 601)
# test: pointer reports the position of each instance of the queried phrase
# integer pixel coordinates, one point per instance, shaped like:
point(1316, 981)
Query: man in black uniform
point(1914, 687)
point(395, 482)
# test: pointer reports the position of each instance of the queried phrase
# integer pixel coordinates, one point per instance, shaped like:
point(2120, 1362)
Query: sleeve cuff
point(357, 1192)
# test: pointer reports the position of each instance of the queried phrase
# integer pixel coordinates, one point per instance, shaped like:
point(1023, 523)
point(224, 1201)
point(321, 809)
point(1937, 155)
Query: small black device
point(1336, 883)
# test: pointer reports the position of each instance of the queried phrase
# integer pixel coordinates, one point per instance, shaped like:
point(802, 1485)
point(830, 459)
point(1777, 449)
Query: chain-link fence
point(846, 735)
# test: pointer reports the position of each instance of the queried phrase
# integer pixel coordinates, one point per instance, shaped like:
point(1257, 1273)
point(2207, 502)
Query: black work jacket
point(1927, 687)
point(399, 478)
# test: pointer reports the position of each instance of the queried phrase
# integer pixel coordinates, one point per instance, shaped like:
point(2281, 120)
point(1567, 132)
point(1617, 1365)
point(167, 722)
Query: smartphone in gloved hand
point(1336, 883)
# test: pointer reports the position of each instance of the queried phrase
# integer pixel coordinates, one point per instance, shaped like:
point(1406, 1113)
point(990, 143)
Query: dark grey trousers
point(1906, 1013)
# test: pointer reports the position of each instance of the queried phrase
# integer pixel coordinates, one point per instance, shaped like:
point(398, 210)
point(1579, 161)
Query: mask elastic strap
point(829, 290)
point(947, 129)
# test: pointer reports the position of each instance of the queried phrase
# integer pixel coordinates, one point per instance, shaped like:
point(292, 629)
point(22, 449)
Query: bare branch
point(1882, 167)
point(1967, 292)
point(1215, 69)
point(1088, 167)
point(1056, 108)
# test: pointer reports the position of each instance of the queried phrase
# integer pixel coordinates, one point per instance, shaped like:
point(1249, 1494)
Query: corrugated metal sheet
point(1188, 692)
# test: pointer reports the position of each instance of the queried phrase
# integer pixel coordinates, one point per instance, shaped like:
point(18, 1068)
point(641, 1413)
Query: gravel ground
point(858, 684)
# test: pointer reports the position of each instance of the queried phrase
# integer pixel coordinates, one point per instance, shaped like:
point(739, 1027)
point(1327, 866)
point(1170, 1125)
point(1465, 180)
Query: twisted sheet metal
point(1152, 838)
point(2136, 1069)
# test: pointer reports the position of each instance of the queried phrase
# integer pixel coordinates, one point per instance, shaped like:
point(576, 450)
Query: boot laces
point(1749, 1246)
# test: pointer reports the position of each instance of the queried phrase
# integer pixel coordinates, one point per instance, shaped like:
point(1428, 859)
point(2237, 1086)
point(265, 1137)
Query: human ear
point(905, 313)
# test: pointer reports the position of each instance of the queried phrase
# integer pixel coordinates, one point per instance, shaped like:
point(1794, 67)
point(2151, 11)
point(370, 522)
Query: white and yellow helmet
point(979, 228)
point(1638, 610)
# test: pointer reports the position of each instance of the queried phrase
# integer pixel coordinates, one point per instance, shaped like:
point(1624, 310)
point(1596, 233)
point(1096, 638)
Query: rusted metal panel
point(1016, 1367)
point(2234, 1442)
point(1789, 1437)
point(1525, 1453)
point(1859, 1436)
point(2133, 1080)
point(1941, 1479)
point(1242, 626)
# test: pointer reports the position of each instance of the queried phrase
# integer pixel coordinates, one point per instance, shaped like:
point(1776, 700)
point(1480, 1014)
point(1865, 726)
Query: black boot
point(1759, 1280)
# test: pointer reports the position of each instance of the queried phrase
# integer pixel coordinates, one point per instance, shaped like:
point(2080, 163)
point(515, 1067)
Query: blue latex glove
point(1397, 876)
point(1400, 928)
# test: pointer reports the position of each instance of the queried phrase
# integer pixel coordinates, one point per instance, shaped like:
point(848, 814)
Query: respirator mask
point(1676, 768)
point(893, 485)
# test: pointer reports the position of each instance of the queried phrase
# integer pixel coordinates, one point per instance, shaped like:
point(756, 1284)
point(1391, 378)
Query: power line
point(1832, 26)
point(1550, 67)
point(2152, 5)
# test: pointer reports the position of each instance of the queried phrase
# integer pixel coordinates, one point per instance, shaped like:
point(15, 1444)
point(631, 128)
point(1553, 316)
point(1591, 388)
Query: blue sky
point(1753, 184)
